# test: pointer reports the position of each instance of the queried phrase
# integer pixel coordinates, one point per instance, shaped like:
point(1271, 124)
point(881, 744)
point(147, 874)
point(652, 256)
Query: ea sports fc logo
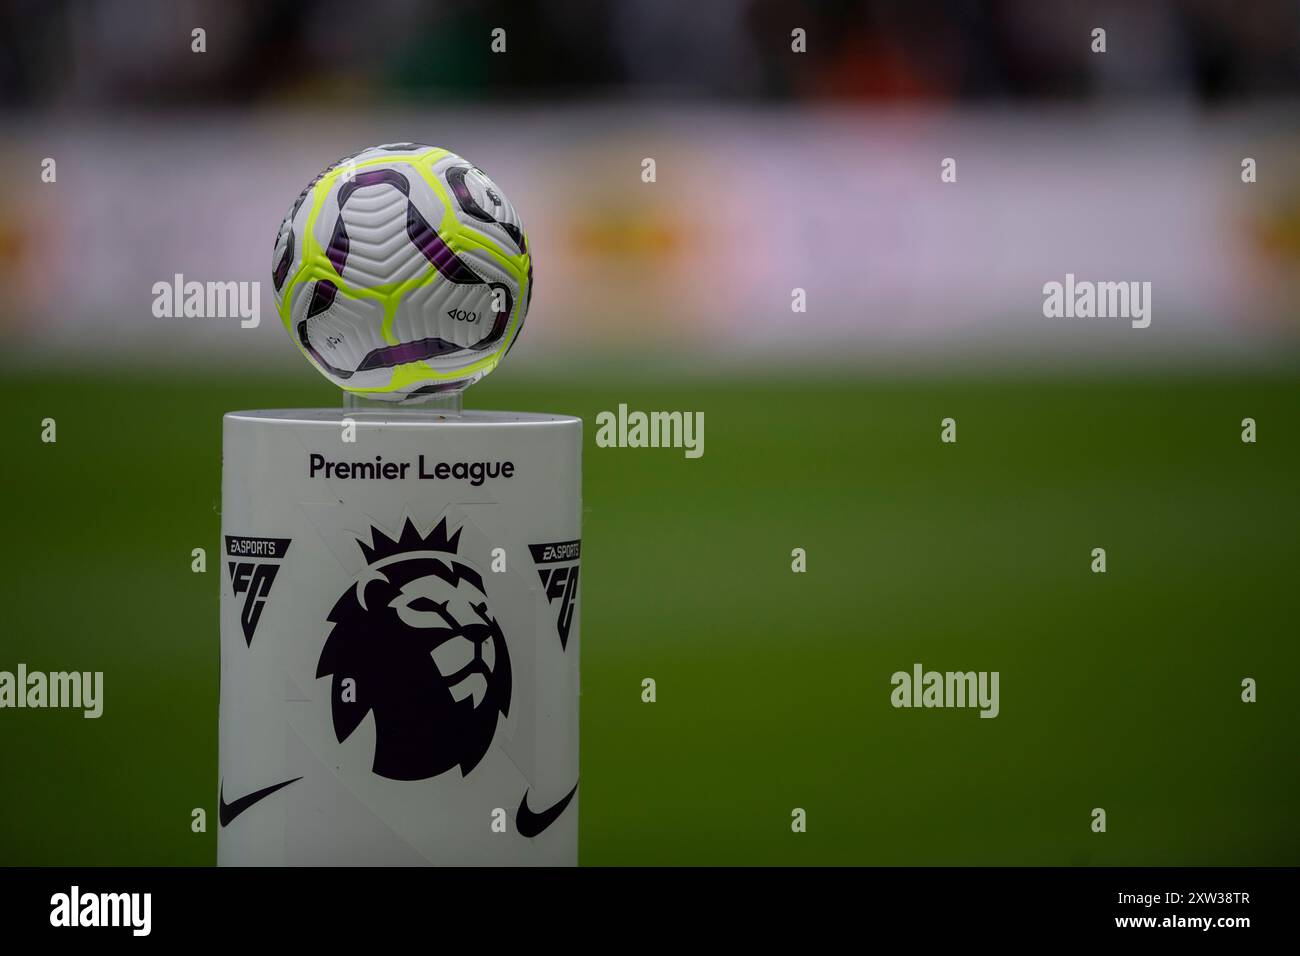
point(415, 643)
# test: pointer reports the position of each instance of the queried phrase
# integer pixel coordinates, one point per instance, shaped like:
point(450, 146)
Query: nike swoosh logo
point(530, 824)
point(228, 811)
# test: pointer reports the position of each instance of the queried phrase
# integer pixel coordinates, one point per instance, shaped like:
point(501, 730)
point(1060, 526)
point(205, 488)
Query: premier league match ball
point(401, 272)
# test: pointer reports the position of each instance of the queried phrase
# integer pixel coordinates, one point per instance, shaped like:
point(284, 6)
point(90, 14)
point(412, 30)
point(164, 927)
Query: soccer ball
point(401, 272)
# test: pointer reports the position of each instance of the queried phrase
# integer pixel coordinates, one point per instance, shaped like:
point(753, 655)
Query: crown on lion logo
point(382, 546)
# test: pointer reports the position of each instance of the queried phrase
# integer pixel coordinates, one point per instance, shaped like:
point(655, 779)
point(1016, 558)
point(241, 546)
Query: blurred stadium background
point(775, 171)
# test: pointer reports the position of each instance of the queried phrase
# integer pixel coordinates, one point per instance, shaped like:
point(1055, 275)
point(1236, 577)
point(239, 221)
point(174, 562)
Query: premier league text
point(475, 472)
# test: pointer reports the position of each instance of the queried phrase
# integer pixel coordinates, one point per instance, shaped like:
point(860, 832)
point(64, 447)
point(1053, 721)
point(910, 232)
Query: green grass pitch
point(1118, 690)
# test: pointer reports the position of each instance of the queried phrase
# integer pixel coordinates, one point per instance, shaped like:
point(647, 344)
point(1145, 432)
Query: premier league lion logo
point(415, 644)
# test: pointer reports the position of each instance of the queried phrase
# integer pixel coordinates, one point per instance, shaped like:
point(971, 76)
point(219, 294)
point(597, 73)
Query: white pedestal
point(399, 638)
